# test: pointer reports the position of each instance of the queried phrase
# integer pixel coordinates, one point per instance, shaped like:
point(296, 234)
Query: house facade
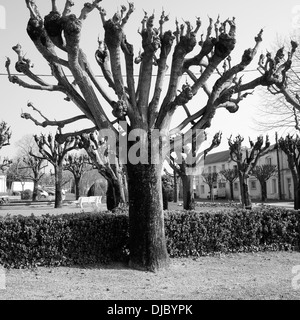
point(219, 161)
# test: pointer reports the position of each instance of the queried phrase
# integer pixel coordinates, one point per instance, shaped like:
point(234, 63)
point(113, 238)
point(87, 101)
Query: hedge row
point(102, 237)
point(62, 240)
point(198, 234)
point(228, 204)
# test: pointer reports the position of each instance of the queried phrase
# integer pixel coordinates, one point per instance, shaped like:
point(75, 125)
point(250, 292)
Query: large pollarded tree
point(146, 113)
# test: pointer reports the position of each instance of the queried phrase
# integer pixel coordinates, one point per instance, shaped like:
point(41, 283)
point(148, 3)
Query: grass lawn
point(245, 276)
point(252, 276)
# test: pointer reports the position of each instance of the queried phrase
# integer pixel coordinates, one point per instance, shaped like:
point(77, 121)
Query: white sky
point(279, 19)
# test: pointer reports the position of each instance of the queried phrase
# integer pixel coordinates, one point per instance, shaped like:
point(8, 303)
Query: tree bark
point(165, 198)
point(296, 183)
point(58, 171)
point(263, 185)
point(211, 190)
point(35, 190)
point(297, 198)
point(175, 188)
point(113, 194)
point(231, 190)
point(188, 192)
point(245, 197)
point(147, 242)
point(76, 180)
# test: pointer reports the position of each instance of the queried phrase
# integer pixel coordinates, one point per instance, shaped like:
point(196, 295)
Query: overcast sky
point(279, 19)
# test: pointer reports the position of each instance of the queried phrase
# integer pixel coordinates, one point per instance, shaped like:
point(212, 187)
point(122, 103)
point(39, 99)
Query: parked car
point(42, 194)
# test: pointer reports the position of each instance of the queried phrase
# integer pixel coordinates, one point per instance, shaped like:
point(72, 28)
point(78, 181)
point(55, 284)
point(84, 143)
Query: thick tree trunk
point(35, 190)
point(116, 192)
point(296, 183)
point(211, 192)
point(231, 190)
point(113, 194)
point(77, 181)
point(175, 187)
point(188, 192)
point(263, 185)
point(245, 197)
point(58, 170)
point(297, 198)
point(147, 244)
point(165, 199)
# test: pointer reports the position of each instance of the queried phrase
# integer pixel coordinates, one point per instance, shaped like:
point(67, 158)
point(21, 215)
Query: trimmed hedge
point(102, 237)
point(62, 240)
point(197, 234)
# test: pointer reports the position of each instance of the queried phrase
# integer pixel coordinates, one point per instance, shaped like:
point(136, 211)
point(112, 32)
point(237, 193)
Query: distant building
point(219, 161)
point(2, 183)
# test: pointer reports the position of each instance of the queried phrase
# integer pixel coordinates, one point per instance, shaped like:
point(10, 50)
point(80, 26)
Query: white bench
point(96, 200)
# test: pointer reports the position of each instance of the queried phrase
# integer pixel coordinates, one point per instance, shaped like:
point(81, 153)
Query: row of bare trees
point(246, 159)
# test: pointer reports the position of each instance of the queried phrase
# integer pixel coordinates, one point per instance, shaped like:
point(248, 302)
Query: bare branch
point(61, 138)
point(67, 10)
point(87, 8)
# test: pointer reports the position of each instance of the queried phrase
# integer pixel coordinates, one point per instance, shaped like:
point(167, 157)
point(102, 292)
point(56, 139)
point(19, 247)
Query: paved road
point(71, 208)
point(288, 205)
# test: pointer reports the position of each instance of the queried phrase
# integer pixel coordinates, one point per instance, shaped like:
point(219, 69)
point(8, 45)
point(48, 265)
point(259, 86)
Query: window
point(253, 185)
point(202, 189)
point(223, 166)
point(268, 160)
point(274, 186)
point(214, 169)
point(222, 185)
point(209, 169)
point(235, 186)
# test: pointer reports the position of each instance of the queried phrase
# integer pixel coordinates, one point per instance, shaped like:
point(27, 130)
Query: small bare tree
point(55, 153)
point(210, 178)
point(187, 169)
point(230, 175)
point(31, 168)
point(246, 159)
point(77, 165)
point(263, 173)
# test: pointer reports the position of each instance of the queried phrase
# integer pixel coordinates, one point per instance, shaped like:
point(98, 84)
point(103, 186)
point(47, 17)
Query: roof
point(222, 156)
